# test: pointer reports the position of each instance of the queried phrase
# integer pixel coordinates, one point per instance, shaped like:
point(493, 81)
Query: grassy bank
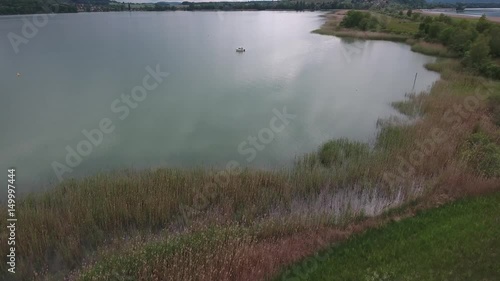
point(474, 41)
point(247, 224)
point(459, 241)
point(401, 31)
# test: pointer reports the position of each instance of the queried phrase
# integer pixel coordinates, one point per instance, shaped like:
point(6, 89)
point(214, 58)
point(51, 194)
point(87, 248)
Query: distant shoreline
point(431, 12)
point(451, 12)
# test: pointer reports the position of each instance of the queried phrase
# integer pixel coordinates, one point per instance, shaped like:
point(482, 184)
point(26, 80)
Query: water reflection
point(213, 100)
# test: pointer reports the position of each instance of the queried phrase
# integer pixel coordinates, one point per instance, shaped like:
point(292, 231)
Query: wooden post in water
point(414, 81)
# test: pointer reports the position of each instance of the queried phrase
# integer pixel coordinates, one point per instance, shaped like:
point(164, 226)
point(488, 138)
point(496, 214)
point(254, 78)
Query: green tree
point(495, 41)
point(446, 35)
point(409, 13)
point(461, 39)
point(463, 23)
point(356, 19)
point(479, 53)
point(482, 24)
point(435, 29)
point(444, 18)
point(424, 26)
point(373, 23)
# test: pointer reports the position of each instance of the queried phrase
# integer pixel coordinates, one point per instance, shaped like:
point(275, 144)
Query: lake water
point(491, 12)
point(74, 71)
point(473, 12)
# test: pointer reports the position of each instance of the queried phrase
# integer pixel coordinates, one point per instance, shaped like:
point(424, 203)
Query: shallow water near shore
point(471, 12)
point(288, 93)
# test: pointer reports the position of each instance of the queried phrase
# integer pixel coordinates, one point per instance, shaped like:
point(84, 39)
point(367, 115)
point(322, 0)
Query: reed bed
point(245, 225)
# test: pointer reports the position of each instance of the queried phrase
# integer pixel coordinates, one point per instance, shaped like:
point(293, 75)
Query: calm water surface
point(74, 69)
point(473, 12)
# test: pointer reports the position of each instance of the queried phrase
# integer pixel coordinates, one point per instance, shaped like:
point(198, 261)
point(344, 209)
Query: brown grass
point(431, 49)
point(263, 220)
point(284, 215)
point(332, 27)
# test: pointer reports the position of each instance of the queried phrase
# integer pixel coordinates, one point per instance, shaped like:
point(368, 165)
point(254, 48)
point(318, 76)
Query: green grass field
point(402, 26)
point(460, 241)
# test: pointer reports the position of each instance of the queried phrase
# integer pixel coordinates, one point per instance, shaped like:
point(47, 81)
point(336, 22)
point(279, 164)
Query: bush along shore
point(173, 224)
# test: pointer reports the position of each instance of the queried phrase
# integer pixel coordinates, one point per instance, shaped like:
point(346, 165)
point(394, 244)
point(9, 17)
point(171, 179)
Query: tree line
point(69, 6)
point(477, 43)
point(16, 7)
point(278, 5)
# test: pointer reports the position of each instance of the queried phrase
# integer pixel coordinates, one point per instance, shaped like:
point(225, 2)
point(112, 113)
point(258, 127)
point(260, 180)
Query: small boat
point(240, 50)
point(18, 74)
